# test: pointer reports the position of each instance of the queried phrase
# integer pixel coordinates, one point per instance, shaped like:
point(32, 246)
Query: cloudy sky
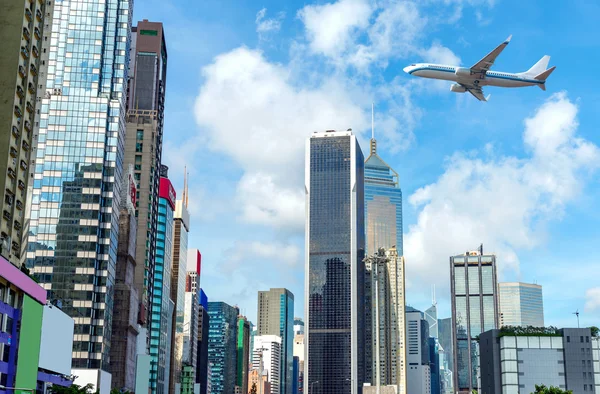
point(249, 81)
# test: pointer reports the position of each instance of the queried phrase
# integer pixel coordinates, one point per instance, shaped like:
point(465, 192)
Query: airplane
point(473, 79)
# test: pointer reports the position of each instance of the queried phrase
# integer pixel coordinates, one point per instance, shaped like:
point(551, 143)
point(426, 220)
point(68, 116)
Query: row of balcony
point(9, 198)
point(13, 174)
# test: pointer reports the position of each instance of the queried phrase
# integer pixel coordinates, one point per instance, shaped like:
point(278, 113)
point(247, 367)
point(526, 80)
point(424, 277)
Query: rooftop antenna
point(576, 313)
point(433, 302)
point(373, 142)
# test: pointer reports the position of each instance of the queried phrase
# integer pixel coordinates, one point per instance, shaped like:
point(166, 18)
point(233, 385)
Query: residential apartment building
point(334, 270)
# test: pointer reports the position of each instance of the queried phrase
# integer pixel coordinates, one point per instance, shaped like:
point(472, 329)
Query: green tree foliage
point(73, 389)
point(542, 389)
point(595, 331)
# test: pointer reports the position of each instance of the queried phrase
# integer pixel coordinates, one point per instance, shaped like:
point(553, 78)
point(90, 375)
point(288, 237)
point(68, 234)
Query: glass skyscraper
point(74, 219)
point(474, 310)
point(276, 317)
point(383, 204)
point(334, 276)
point(521, 304)
point(222, 347)
point(160, 318)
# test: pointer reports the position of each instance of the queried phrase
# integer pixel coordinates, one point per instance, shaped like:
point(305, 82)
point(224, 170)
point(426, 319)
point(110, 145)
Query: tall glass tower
point(74, 220)
point(334, 279)
point(160, 318)
point(474, 310)
point(222, 346)
point(383, 204)
point(521, 304)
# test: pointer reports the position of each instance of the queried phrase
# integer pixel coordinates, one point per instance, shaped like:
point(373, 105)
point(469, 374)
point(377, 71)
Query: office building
point(202, 369)
point(143, 144)
point(194, 261)
point(474, 310)
point(298, 326)
point(299, 349)
point(222, 346)
point(243, 353)
point(77, 169)
point(266, 355)
point(386, 311)
point(190, 332)
point(296, 375)
point(22, 26)
point(446, 354)
point(125, 327)
point(334, 269)
point(434, 364)
point(432, 319)
point(513, 361)
point(418, 373)
point(259, 381)
point(276, 317)
point(520, 304)
point(160, 340)
point(181, 228)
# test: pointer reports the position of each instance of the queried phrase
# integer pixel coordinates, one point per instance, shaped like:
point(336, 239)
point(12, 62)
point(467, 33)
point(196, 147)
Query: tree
point(595, 331)
point(73, 389)
point(253, 389)
point(542, 389)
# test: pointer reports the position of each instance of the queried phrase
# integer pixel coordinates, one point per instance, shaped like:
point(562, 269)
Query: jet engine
point(462, 72)
point(457, 88)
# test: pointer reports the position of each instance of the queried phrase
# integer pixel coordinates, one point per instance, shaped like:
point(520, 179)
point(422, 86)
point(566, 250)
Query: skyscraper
point(267, 358)
point(383, 204)
point(243, 353)
point(74, 219)
point(22, 66)
point(520, 304)
point(202, 370)
point(161, 303)
point(276, 317)
point(334, 270)
point(222, 340)
point(418, 374)
point(143, 144)
point(387, 313)
point(474, 310)
point(447, 354)
point(181, 227)
point(298, 326)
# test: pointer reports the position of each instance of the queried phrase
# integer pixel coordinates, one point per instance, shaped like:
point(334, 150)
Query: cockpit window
point(412, 65)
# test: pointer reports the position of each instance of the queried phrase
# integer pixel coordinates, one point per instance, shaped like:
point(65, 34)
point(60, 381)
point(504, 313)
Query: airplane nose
point(406, 69)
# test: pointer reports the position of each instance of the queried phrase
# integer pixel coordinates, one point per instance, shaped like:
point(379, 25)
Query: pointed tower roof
point(374, 161)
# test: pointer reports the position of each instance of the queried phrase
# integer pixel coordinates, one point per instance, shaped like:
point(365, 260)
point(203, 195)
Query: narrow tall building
point(266, 356)
point(418, 373)
point(77, 170)
point(243, 354)
point(181, 228)
point(125, 327)
point(160, 344)
point(383, 222)
point(23, 23)
point(222, 340)
point(202, 369)
point(388, 339)
point(276, 317)
point(520, 304)
point(334, 270)
point(474, 310)
point(143, 145)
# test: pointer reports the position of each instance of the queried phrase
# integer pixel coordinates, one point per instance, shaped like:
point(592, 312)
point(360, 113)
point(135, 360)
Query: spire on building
point(373, 141)
point(186, 195)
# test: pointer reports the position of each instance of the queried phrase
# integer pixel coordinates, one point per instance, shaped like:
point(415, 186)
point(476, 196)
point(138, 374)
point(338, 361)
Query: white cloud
point(438, 53)
point(501, 201)
point(253, 112)
point(266, 25)
point(330, 27)
point(592, 299)
point(283, 255)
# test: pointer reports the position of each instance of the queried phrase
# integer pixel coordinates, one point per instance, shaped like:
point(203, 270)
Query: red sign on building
point(167, 191)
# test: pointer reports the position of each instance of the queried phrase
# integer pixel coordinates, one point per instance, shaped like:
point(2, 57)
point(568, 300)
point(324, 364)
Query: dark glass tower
point(334, 267)
point(222, 346)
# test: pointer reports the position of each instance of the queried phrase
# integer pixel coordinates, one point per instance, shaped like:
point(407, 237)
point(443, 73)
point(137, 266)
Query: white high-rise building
point(520, 304)
point(418, 374)
point(266, 354)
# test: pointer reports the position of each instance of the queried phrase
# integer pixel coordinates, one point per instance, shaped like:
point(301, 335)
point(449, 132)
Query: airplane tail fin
point(543, 76)
point(539, 67)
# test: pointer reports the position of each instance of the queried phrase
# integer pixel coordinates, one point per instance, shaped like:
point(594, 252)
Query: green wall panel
point(29, 344)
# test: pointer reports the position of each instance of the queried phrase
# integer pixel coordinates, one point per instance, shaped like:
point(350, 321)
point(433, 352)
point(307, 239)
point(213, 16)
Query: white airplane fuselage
point(465, 76)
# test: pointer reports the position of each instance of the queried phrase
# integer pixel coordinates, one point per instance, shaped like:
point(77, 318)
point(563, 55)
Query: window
point(139, 147)
point(568, 338)
point(139, 135)
point(587, 339)
point(581, 339)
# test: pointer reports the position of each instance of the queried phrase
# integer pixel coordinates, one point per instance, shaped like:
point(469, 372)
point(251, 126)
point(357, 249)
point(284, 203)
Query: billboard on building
point(57, 340)
point(167, 191)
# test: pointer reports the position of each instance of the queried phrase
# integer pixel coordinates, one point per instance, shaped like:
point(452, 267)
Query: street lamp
point(311, 387)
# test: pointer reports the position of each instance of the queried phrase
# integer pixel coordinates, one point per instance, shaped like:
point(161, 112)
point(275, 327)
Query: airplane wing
point(476, 91)
point(483, 66)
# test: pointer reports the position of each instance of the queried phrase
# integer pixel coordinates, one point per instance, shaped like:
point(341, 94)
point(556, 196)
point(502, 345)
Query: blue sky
point(249, 81)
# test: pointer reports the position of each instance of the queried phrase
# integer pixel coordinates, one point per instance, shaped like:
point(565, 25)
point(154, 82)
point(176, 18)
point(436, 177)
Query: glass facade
point(383, 205)
point(222, 344)
point(160, 317)
point(521, 304)
point(474, 310)
point(335, 267)
point(74, 222)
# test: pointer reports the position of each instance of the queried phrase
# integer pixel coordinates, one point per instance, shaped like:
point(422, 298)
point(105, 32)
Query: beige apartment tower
point(22, 26)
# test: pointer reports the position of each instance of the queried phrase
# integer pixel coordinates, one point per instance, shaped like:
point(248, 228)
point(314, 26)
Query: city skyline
point(411, 145)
